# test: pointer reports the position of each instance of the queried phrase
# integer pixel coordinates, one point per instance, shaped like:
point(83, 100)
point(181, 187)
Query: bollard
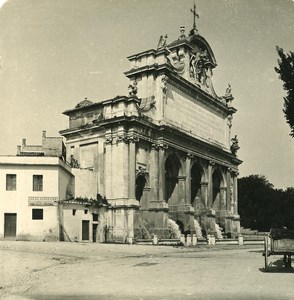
point(155, 240)
point(182, 239)
point(130, 240)
point(208, 238)
point(212, 237)
point(241, 240)
point(194, 240)
point(189, 240)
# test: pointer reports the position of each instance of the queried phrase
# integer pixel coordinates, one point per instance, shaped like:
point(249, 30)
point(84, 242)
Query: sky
point(54, 53)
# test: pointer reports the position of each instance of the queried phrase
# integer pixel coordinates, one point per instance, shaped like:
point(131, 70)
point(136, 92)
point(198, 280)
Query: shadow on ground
point(277, 266)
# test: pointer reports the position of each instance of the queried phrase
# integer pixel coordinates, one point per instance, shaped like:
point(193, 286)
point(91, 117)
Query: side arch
point(197, 177)
point(173, 169)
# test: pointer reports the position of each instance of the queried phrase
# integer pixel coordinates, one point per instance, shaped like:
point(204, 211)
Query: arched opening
point(181, 226)
point(216, 183)
point(172, 168)
point(196, 175)
point(140, 184)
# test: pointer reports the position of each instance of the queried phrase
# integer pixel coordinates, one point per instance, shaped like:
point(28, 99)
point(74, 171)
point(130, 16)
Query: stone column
point(161, 171)
point(204, 193)
point(101, 169)
point(222, 206)
point(210, 185)
point(120, 166)
point(108, 167)
point(228, 196)
point(222, 196)
point(188, 178)
point(233, 192)
point(181, 189)
point(154, 172)
point(236, 193)
point(132, 166)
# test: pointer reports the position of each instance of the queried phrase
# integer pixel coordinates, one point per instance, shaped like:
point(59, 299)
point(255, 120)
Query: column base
point(157, 205)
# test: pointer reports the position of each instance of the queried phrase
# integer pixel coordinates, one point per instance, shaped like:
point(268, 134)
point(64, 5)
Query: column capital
point(108, 139)
point(133, 138)
point(154, 146)
point(233, 172)
point(121, 138)
point(211, 163)
point(162, 145)
point(190, 156)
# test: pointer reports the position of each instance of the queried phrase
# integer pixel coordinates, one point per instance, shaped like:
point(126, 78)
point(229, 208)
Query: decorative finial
point(229, 90)
point(228, 95)
point(182, 30)
point(195, 15)
point(162, 42)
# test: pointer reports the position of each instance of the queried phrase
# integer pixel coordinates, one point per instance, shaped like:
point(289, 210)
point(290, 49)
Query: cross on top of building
point(195, 15)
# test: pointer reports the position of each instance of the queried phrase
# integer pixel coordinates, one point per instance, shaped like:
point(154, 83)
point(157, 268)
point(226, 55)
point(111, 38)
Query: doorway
point(94, 232)
point(9, 225)
point(85, 230)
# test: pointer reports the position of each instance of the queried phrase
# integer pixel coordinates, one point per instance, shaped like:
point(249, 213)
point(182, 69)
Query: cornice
point(148, 52)
point(167, 135)
point(148, 69)
point(178, 139)
point(101, 104)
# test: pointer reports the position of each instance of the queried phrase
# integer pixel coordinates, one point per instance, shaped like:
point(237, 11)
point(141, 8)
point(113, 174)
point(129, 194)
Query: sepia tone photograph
point(146, 149)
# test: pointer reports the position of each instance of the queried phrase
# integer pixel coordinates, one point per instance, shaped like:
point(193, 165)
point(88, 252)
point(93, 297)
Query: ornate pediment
point(193, 59)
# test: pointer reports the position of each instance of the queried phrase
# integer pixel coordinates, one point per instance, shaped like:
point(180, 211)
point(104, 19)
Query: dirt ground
point(32, 270)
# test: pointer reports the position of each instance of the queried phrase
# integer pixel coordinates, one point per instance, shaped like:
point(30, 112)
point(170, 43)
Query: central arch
point(172, 172)
point(196, 178)
point(218, 185)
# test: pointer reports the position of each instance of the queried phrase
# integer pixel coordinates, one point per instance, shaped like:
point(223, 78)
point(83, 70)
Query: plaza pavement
point(36, 270)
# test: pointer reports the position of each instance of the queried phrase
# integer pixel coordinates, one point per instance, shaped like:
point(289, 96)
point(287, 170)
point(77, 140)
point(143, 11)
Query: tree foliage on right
point(262, 207)
point(285, 70)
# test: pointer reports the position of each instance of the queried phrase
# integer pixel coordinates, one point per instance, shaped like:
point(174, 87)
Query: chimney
point(24, 141)
point(43, 134)
point(18, 150)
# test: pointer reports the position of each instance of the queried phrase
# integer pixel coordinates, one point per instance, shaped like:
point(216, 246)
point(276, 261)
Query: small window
point(10, 182)
point(95, 217)
point(37, 214)
point(37, 183)
point(85, 211)
point(74, 212)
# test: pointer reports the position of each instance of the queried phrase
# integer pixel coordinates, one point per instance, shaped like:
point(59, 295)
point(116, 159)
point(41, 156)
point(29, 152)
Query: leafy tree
point(261, 206)
point(285, 70)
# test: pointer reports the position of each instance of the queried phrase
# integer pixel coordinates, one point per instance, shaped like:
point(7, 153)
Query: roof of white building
point(33, 161)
